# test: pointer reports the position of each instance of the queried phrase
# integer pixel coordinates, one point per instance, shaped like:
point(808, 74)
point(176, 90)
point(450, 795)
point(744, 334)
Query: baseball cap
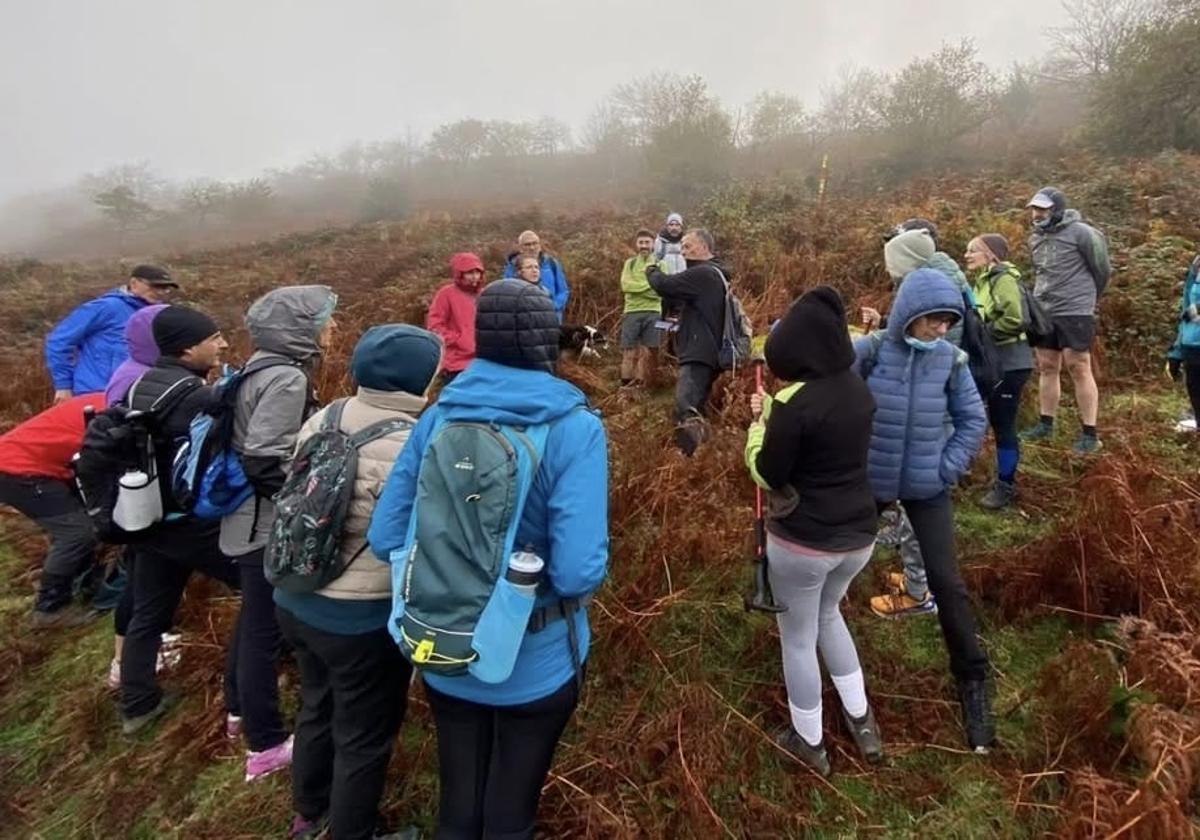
point(153, 275)
point(1043, 199)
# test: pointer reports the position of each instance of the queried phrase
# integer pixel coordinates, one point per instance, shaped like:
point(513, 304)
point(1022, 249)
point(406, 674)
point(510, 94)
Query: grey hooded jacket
point(1071, 266)
point(272, 404)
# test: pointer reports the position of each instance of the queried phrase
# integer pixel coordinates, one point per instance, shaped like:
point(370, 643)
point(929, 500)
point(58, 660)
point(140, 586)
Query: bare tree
point(1097, 32)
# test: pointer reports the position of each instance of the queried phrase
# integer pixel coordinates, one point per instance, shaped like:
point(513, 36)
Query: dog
point(584, 340)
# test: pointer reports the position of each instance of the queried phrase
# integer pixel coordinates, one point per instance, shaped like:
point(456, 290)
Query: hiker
point(528, 269)
point(668, 245)
point(700, 290)
point(84, 348)
point(1071, 270)
point(353, 678)
point(640, 336)
point(550, 271)
point(452, 313)
point(37, 480)
point(290, 327)
point(920, 383)
point(998, 292)
point(190, 345)
point(496, 741)
point(1183, 359)
point(807, 447)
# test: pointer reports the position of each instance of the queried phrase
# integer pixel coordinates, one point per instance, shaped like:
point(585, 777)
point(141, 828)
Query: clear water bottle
point(525, 571)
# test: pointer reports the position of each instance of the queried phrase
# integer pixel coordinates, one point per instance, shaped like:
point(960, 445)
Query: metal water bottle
point(525, 571)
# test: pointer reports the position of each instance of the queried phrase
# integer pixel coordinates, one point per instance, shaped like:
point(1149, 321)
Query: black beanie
point(811, 341)
point(177, 328)
point(516, 325)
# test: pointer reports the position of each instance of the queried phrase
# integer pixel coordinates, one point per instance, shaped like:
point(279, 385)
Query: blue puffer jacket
point(914, 453)
point(565, 517)
point(1187, 340)
point(553, 279)
point(85, 348)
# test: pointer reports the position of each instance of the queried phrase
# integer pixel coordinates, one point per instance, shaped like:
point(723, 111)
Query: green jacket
point(999, 300)
point(639, 297)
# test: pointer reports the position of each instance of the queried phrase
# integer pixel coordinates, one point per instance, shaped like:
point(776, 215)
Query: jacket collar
point(392, 400)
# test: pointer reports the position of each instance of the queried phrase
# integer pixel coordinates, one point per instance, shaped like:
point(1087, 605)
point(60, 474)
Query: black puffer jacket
point(700, 294)
point(516, 325)
point(818, 431)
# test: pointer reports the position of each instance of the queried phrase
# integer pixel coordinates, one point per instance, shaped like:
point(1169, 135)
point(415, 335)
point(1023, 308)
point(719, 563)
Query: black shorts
point(1070, 332)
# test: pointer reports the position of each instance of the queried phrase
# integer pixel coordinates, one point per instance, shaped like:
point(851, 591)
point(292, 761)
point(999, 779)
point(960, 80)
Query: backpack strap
point(332, 421)
point(377, 430)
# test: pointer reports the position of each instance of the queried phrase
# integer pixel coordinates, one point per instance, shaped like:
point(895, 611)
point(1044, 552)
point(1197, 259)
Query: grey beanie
point(905, 253)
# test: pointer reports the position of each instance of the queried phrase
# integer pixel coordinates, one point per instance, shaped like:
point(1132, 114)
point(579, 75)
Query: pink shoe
point(266, 762)
point(233, 726)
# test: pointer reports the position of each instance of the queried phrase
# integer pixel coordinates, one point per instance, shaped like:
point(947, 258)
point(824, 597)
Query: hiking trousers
point(692, 390)
point(353, 695)
point(493, 761)
point(251, 666)
point(54, 507)
point(933, 526)
point(161, 569)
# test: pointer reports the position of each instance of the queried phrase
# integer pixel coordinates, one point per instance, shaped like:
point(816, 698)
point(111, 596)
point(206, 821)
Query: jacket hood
point(516, 325)
point(1069, 218)
point(288, 320)
point(460, 264)
point(944, 264)
point(811, 341)
point(670, 237)
point(922, 292)
point(906, 252)
point(487, 391)
point(139, 334)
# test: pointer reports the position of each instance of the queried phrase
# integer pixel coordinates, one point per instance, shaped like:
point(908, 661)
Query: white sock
point(853, 692)
point(807, 722)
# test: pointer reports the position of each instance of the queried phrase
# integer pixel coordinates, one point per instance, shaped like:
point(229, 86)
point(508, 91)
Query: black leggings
point(493, 761)
point(1191, 371)
point(1002, 406)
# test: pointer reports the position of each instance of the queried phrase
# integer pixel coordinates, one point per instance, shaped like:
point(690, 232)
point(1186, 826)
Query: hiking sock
point(853, 693)
point(1089, 431)
point(1006, 463)
point(807, 722)
point(1047, 420)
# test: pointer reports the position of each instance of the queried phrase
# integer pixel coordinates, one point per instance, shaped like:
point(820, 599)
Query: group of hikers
point(464, 538)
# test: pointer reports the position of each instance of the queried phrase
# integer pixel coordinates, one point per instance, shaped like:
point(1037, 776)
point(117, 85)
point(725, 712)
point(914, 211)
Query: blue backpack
point(454, 610)
point(207, 478)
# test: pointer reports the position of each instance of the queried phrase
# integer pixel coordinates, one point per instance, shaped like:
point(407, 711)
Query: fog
point(225, 89)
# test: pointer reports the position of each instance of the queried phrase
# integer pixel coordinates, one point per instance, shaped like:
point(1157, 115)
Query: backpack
point(303, 553)
point(119, 441)
point(455, 610)
point(1035, 320)
point(207, 478)
point(983, 357)
point(737, 330)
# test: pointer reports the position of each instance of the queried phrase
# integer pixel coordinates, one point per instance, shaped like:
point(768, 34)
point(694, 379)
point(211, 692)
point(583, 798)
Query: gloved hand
point(1174, 369)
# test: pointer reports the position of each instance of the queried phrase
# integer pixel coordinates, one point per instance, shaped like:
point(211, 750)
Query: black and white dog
point(585, 341)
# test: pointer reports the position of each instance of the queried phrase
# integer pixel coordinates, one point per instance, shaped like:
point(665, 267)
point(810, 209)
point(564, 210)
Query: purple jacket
point(143, 352)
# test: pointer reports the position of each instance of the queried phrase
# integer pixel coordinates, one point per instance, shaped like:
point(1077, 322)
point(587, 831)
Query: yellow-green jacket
point(639, 297)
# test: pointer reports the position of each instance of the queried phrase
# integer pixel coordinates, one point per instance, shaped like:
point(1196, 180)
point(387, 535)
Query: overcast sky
point(226, 88)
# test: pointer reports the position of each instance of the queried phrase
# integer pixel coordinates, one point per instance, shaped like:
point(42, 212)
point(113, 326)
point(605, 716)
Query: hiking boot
point(903, 604)
point(865, 732)
point(233, 726)
point(1002, 494)
point(306, 829)
point(266, 762)
point(977, 714)
point(815, 758)
point(1041, 431)
point(72, 615)
point(1087, 445)
point(131, 726)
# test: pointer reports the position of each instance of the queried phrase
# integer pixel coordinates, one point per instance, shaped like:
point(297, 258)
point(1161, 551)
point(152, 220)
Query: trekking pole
point(763, 599)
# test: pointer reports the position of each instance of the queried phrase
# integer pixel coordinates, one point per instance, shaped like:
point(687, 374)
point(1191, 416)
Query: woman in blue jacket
point(496, 741)
point(929, 424)
point(1184, 358)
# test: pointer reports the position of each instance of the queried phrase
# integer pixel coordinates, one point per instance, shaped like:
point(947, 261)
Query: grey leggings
point(811, 584)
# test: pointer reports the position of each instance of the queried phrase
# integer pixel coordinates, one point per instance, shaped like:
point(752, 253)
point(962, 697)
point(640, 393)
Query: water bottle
point(525, 571)
point(139, 501)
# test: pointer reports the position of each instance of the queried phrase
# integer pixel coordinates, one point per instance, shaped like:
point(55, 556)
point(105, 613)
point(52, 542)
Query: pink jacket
point(452, 313)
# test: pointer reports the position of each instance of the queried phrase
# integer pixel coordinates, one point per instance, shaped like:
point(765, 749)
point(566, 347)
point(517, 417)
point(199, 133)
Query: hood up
point(923, 292)
point(811, 341)
point(139, 334)
point(460, 264)
point(288, 320)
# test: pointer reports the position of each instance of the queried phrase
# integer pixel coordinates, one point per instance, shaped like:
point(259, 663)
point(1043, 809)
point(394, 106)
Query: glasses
point(532, 244)
point(946, 318)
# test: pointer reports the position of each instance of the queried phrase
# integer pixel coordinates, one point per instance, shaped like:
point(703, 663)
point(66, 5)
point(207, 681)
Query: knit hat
point(905, 253)
point(995, 243)
point(396, 357)
point(516, 325)
point(674, 217)
point(177, 328)
point(811, 341)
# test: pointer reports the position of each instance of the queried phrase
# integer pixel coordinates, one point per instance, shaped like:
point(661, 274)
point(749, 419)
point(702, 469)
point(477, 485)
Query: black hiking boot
point(72, 615)
point(977, 714)
point(865, 732)
point(815, 758)
point(1002, 494)
point(131, 726)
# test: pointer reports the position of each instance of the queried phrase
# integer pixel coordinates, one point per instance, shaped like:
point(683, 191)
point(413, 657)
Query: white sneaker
point(1187, 424)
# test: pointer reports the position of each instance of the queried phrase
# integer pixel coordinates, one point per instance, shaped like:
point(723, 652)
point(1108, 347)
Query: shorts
point(638, 330)
point(1069, 332)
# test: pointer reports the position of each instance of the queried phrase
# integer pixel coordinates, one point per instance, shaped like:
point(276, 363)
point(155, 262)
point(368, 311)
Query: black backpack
point(120, 440)
point(304, 550)
point(983, 357)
